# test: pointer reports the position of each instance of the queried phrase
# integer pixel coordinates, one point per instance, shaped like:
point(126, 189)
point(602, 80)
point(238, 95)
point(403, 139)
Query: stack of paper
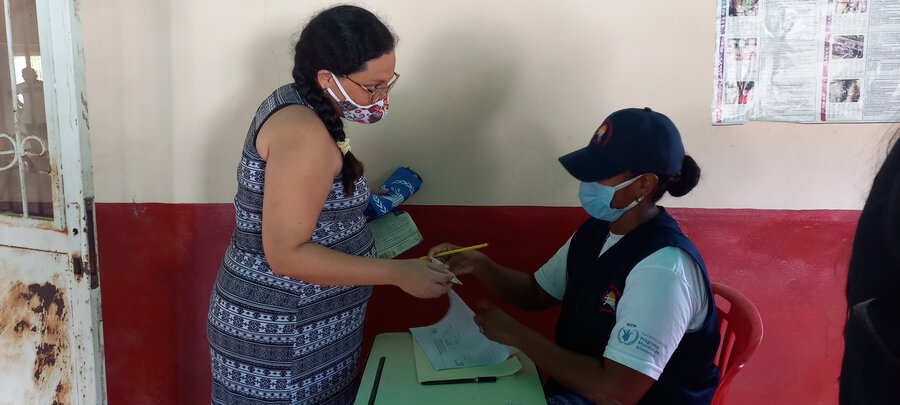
point(425, 372)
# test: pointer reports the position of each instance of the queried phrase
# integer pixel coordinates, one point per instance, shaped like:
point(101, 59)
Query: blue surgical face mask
point(596, 198)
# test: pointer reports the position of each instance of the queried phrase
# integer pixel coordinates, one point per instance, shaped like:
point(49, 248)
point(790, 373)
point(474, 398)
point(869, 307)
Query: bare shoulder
point(297, 131)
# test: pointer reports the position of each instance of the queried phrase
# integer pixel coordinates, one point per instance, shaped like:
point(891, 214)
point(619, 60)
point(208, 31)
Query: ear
point(646, 184)
point(324, 78)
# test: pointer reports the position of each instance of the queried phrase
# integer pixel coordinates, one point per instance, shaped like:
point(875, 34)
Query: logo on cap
point(601, 137)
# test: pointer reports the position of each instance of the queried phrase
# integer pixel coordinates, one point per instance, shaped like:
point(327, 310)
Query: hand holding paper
point(420, 278)
point(455, 341)
point(453, 280)
point(497, 324)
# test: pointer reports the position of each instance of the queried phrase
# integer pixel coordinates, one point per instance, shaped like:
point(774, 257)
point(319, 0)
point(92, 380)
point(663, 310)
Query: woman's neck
point(636, 216)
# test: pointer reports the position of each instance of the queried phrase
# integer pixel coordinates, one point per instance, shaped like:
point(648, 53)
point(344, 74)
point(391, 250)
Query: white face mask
point(363, 114)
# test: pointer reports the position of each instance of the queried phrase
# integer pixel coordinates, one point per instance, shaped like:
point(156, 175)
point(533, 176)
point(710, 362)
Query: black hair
point(888, 173)
point(341, 40)
point(680, 183)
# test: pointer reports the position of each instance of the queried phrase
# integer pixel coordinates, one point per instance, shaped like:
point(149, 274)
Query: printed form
point(455, 341)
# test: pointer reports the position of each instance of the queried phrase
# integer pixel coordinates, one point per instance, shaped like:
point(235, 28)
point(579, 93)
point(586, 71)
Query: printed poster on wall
point(809, 61)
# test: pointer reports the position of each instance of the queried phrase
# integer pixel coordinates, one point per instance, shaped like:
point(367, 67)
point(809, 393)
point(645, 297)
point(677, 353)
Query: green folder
point(398, 385)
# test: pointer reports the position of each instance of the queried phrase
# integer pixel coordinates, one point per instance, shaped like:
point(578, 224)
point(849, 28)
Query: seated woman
point(638, 321)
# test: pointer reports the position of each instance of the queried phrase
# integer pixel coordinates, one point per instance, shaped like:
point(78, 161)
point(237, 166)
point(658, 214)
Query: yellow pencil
point(460, 250)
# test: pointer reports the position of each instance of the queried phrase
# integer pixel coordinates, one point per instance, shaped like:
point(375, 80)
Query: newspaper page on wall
point(810, 61)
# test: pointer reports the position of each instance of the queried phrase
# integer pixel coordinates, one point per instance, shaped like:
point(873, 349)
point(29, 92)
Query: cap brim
point(587, 167)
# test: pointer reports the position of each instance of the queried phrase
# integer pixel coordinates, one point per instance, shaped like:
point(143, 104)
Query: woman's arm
point(599, 380)
point(516, 287)
point(301, 162)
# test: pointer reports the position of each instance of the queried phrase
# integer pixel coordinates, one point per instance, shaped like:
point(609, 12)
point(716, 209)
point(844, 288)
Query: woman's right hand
point(423, 279)
point(461, 263)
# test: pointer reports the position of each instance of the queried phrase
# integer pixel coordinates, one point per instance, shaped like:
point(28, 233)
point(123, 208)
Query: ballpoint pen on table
point(461, 381)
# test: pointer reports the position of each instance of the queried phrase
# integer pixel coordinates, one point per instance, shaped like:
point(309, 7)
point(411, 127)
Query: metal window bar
point(53, 124)
point(7, 16)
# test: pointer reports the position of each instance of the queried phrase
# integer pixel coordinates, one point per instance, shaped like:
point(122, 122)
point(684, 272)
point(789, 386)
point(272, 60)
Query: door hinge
point(77, 267)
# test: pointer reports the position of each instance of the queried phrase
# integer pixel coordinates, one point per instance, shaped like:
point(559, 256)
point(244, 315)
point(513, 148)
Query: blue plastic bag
point(400, 185)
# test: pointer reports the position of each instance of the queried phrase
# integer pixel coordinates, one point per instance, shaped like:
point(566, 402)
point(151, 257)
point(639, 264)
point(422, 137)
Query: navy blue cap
point(633, 139)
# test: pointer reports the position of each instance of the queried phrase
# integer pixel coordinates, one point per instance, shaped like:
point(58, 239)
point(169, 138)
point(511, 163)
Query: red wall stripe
point(158, 263)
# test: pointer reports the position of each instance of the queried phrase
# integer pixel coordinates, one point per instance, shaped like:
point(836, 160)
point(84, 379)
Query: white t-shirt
point(664, 298)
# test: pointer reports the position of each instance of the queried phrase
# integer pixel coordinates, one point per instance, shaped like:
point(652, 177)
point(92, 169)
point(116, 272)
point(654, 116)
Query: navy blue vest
point(587, 319)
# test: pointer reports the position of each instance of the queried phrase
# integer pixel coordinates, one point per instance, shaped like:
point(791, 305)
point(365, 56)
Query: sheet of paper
point(455, 340)
point(395, 233)
point(426, 372)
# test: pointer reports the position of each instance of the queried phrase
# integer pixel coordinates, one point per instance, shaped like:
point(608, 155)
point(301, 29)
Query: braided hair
point(341, 40)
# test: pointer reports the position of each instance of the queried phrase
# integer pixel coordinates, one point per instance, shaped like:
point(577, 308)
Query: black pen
point(461, 381)
point(377, 381)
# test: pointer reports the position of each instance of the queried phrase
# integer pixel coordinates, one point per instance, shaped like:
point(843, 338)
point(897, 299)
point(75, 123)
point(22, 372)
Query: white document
point(455, 341)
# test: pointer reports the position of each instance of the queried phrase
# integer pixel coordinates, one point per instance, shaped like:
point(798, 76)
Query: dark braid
point(352, 168)
point(340, 40)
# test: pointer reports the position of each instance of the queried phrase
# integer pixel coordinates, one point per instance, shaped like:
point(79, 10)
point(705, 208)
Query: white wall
point(492, 92)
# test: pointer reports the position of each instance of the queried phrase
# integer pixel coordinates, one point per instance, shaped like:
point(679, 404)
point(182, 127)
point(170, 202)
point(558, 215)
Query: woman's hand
point(497, 325)
point(464, 262)
point(378, 190)
point(422, 279)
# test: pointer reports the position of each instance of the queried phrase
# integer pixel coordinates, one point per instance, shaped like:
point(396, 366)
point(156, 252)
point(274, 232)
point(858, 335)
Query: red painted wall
point(158, 263)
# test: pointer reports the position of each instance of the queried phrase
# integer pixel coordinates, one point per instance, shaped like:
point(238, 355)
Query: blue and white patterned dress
point(274, 339)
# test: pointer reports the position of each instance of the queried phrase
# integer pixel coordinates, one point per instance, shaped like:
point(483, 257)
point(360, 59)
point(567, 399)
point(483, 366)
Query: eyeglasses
point(377, 93)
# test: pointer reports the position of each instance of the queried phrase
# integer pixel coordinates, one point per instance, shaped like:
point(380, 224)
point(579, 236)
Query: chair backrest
point(741, 328)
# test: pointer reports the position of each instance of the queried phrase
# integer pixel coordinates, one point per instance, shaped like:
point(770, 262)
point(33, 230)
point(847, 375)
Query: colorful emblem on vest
point(610, 299)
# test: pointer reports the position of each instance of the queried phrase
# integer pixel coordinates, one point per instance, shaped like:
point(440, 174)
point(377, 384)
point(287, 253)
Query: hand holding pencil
point(462, 260)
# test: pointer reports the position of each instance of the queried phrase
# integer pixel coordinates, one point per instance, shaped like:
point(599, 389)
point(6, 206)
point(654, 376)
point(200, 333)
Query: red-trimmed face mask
point(363, 114)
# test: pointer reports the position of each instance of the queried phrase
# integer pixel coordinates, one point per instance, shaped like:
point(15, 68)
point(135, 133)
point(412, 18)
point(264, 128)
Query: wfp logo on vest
point(628, 334)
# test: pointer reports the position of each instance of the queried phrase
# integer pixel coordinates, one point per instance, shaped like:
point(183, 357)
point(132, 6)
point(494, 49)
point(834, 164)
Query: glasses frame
point(378, 93)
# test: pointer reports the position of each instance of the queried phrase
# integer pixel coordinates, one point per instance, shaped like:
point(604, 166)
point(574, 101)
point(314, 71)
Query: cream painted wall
point(491, 93)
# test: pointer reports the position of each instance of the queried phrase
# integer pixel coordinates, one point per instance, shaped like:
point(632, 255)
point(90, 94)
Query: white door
point(50, 329)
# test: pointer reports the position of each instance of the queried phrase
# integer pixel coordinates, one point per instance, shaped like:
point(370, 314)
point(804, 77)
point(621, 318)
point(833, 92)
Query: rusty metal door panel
point(35, 329)
point(50, 328)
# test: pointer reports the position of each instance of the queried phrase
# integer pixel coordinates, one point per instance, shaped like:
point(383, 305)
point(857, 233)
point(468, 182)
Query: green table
point(398, 385)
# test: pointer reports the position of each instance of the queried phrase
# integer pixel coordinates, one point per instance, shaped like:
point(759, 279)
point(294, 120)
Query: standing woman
point(287, 309)
point(870, 371)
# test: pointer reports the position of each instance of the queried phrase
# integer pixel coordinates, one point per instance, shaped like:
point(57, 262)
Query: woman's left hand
point(497, 325)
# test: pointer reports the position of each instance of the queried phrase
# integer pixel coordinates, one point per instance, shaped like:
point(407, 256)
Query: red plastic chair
point(742, 331)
